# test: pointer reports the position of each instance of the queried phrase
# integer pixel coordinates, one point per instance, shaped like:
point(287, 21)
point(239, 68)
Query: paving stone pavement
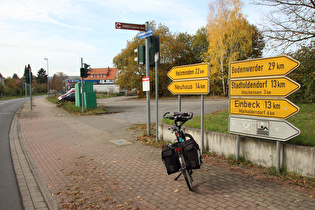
point(90, 167)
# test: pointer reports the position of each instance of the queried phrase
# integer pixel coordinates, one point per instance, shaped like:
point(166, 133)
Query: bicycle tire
point(187, 175)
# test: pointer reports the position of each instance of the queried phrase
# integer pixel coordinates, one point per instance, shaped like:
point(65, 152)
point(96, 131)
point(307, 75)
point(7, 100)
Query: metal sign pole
point(157, 62)
point(278, 148)
point(238, 142)
point(30, 76)
point(147, 63)
point(82, 89)
point(179, 103)
point(202, 121)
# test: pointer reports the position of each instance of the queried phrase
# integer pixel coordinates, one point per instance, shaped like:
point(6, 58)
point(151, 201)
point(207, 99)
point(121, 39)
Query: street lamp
point(46, 59)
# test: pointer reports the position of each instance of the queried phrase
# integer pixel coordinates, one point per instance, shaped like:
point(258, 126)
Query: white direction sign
point(266, 128)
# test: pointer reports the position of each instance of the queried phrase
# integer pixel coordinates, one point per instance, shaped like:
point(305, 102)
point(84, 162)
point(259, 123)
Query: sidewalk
point(93, 162)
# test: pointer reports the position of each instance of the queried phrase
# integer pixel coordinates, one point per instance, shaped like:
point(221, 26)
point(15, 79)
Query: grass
point(100, 95)
point(304, 120)
point(73, 109)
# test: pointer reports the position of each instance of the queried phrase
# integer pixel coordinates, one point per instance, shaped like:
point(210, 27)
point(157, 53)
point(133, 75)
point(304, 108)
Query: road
point(133, 110)
point(9, 193)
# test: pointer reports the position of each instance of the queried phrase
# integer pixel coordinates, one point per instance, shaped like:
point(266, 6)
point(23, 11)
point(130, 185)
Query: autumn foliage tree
point(175, 49)
point(230, 38)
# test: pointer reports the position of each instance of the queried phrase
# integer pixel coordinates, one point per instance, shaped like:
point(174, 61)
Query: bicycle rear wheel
point(187, 175)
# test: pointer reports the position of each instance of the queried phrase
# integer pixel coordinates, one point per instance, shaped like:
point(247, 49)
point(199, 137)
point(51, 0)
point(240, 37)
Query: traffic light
point(84, 71)
point(154, 47)
point(140, 54)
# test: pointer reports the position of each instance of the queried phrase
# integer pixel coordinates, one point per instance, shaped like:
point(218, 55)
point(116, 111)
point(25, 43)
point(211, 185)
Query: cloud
point(66, 30)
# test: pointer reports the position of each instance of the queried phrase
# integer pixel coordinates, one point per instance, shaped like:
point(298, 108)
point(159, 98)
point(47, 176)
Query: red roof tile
point(102, 74)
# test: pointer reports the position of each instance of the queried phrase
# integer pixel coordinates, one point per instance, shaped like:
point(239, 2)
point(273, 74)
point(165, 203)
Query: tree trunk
point(222, 74)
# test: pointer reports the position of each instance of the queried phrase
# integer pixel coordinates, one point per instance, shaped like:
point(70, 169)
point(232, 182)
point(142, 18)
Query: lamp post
point(46, 59)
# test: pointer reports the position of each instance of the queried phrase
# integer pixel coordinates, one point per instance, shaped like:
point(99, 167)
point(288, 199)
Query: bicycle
point(184, 154)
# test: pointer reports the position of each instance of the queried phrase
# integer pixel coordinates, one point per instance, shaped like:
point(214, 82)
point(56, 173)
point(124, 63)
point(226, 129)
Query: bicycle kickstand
point(178, 176)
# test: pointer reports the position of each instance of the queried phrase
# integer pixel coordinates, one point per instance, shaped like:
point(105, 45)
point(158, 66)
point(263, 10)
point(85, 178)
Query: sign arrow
point(271, 66)
point(275, 108)
point(269, 86)
point(274, 129)
point(189, 87)
point(189, 71)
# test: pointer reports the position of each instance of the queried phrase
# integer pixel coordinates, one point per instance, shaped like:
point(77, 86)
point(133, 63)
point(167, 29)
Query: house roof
point(102, 74)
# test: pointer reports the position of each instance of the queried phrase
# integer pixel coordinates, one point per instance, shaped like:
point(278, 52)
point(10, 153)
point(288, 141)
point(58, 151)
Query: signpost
point(265, 80)
point(271, 86)
point(272, 66)
point(275, 108)
point(129, 26)
point(192, 87)
point(274, 129)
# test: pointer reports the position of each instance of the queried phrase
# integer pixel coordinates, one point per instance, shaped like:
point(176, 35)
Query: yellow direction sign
point(275, 108)
point(272, 66)
point(189, 87)
point(276, 86)
point(194, 71)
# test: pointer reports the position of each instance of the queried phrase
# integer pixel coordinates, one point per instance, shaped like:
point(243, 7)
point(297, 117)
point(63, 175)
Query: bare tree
point(291, 22)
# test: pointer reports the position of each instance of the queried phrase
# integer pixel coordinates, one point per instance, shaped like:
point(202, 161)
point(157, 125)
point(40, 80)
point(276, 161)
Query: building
point(103, 79)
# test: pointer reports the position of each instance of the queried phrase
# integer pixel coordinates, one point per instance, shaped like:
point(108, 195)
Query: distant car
point(68, 96)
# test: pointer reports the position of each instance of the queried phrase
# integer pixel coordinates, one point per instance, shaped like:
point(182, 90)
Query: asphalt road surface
point(134, 110)
point(9, 192)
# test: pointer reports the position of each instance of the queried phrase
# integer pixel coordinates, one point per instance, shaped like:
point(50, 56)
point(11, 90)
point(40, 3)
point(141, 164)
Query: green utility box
point(89, 95)
point(90, 100)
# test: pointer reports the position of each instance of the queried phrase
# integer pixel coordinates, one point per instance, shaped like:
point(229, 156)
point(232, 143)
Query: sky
point(64, 31)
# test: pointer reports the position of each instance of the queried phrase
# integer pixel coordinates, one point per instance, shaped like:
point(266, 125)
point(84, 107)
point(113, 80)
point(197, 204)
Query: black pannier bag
point(192, 154)
point(170, 160)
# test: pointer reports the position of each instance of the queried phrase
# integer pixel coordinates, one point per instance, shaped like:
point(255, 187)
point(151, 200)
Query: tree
point(57, 83)
point(41, 76)
point(15, 76)
point(10, 86)
point(305, 74)
point(230, 38)
point(200, 43)
point(175, 49)
point(291, 21)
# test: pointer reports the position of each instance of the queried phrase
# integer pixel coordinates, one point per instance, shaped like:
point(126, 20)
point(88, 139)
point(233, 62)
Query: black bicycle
point(184, 154)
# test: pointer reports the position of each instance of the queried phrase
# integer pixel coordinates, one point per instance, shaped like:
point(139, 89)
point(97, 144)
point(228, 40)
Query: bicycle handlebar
point(179, 116)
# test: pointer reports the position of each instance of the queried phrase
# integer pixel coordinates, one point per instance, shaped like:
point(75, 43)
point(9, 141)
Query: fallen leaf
point(262, 195)
point(139, 197)
point(312, 196)
point(176, 199)
point(175, 190)
point(114, 161)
